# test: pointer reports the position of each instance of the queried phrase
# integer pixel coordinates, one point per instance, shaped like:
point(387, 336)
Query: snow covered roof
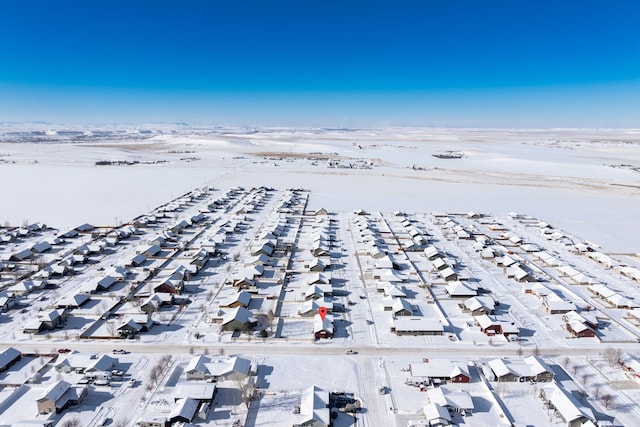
point(460, 289)
point(55, 391)
point(438, 368)
point(435, 412)
point(198, 390)
point(460, 400)
point(184, 408)
point(242, 297)
point(239, 314)
point(417, 324)
point(313, 408)
point(568, 407)
point(320, 325)
point(8, 355)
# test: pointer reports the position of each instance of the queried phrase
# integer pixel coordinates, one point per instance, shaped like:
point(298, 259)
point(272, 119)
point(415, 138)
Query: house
point(59, 396)
point(100, 285)
point(579, 329)
point(261, 259)
point(317, 291)
point(479, 305)
point(153, 303)
point(149, 250)
point(202, 367)
point(169, 285)
point(437, 370)
point(310, 307)
point(152, 422)
point(566, 406)
point(85, 362)
point(204, 392)
point(262, 249)
point(239, 299)
point(393, 291)
point(243, 283)
point(518, 272)
point(41, 247)
point(401, 307)
point(317, 265)
point(388, 275)
point(540, 371)
point(460, 290)
point(317, 279)
point(406, 325)
point(321, 211)
point(45, 320)
point(585, 317)
point(437, 415)
point(629, 363)
point(136, 260)
point(455, 401)
point(56, 269)
point(314, 409)
point(448, 275)
point(73, 301)
point(27, 286)
point(84, 228)
point(440, 263)
point(322, 328)
point(8, 357)
point(252, 272)
point(554, 304)
point(21, 255)
point(431, 252)
point(238, 319)
point(129, 328)
point(489, 325)
point(184, 410)
point(7, 300)
point(320, 248)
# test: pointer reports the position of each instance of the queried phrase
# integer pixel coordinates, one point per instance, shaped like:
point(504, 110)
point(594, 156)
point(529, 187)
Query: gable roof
point(313, 408)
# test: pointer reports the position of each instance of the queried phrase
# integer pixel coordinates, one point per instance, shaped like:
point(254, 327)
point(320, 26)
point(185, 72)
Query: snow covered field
point(544, 224)
point(571, 178)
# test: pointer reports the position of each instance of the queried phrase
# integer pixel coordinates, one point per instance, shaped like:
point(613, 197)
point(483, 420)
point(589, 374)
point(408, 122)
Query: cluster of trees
point(126, 162)
point(156, 373)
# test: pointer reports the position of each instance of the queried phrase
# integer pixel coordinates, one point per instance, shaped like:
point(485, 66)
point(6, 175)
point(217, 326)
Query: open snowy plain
point(493, 245)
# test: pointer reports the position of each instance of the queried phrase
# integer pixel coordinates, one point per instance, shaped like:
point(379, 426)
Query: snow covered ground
point(583, 183)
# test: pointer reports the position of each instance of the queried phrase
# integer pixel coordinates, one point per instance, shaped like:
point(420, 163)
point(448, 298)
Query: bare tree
point(612, 355)
point(565, 361)
point(597, 389)
point(72, 422)
point(247, 391)
point(536, 351)
point(585, 378)
point(575, 368)
point(111, 328)
point(271, 316)
point(607, 400)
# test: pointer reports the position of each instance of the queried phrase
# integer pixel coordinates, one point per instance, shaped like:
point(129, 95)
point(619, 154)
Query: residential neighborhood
point(215, 298)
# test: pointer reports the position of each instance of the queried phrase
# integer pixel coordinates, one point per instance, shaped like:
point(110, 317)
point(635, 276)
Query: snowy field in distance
point(582, 181)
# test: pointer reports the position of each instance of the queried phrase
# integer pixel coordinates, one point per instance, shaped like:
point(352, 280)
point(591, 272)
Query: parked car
point(120, 351)
point(350, 351)
point(64, 350)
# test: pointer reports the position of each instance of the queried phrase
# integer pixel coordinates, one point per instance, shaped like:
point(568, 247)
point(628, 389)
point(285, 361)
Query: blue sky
point(322, 63)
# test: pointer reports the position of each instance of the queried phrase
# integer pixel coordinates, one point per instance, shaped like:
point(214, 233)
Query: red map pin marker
point(322, 311)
